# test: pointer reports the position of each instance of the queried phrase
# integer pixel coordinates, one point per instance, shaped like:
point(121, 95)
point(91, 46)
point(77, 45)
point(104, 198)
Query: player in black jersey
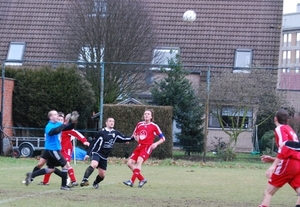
point(99, 150)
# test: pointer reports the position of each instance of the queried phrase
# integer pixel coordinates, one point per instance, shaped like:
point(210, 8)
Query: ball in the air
point(189, 16)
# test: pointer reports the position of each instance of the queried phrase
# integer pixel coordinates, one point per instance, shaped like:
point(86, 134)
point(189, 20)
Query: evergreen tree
point(175, 90)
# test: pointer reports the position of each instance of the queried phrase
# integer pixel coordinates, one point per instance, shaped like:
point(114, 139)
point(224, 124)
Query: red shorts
point(143, 151)
point(287, 171)
point(67, 154)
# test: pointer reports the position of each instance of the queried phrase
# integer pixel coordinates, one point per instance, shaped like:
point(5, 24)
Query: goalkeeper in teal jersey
point(52, 152)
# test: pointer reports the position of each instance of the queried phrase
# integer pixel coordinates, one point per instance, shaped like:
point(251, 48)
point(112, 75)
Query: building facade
point(289, 59)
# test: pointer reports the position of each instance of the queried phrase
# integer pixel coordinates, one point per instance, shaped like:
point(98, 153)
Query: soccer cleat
point(42, 183)
point(96, 185)
point(73, 184)
point(84, 183)
point(24, 181)
point(28, 178)
point(65, 188)
point(142, 182)
point(128, 183)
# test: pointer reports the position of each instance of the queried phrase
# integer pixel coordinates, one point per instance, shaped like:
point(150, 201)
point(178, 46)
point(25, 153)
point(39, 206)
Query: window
point(242, 59)
point(161, 56)
point(230, 114)
point(288, 58)
point(297, 56)
point(15, 53)
point(298, 39)
point(100, 8)
point(90, 55)
point(285, 70)
point(287, 39)
point(284, 57)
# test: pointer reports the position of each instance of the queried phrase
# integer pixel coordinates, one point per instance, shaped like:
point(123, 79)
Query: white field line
point(44, 192)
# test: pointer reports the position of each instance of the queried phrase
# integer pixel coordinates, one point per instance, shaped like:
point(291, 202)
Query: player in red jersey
point(144, 132)
point(286, 165)
point(66, 151)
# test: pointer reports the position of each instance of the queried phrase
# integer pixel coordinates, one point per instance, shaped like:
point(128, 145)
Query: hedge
point(127, 116)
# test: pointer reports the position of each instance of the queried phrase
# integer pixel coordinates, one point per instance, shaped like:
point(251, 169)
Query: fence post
point(2, 107)
point(206, 113)
point(101, 95)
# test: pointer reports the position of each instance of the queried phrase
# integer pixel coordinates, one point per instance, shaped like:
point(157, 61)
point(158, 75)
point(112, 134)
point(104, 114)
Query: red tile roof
point(35, 22)
point(221, 27)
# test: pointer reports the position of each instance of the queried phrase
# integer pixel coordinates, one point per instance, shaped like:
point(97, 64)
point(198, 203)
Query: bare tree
point(236, 99)
point(110, 31)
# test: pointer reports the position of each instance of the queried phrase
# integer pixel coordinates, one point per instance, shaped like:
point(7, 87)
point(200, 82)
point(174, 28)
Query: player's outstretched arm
point(122, 138)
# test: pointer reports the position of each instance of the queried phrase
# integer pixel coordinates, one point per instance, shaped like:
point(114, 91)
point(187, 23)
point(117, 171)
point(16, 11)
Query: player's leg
point(131, 164)
point(40, 164)
point(37, 171)
point(268, 193)
point(89, 170)
point(298, 197)
point(46, 179)
point(102, 166)
point(285, 172)
point(58, 160)
point(72, 176)
point(144, 155)
point(137, 169)
point(67, 153)
point(133, 158)
point(31, 175)
point(295, 184)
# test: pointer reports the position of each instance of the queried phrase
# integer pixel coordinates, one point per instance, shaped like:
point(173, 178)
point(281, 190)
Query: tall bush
point(39, 90)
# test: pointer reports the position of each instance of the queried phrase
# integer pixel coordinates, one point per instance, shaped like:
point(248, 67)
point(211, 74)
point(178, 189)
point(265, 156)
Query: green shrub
point(267, 143)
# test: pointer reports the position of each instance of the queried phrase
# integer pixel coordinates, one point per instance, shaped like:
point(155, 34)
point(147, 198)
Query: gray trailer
point(28, 145)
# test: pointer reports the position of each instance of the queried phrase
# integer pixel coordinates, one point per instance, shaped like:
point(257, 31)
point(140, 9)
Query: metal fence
point(225, 86)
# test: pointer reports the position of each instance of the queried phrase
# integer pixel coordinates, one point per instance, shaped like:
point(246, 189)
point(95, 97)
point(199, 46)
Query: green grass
point(170, 183)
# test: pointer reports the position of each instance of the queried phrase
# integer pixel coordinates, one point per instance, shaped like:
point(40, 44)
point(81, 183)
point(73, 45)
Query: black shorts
point(54, 158)
point(102, 163)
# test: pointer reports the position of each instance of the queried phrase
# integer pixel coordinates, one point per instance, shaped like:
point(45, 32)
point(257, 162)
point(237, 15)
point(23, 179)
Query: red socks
point(136, 174)
point(46, 178)
point(71, 174)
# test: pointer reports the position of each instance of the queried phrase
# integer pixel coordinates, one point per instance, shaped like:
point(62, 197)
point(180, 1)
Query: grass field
point(170, 183)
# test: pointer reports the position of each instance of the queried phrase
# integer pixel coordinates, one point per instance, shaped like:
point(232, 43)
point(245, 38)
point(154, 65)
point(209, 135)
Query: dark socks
point(64, 176)
point(98, 179)
point(88, 172)
point(57, 172)
point(38, 172)
point(36, 168)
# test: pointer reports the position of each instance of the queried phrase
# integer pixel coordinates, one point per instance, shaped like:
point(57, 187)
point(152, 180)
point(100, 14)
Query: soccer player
point(53, 147)
point(144, 132)
point(286, 165)
point(42, 160)
point(67, 150)
point(99, 150)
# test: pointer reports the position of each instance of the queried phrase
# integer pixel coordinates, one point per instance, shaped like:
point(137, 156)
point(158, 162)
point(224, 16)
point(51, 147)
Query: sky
point(290, 6)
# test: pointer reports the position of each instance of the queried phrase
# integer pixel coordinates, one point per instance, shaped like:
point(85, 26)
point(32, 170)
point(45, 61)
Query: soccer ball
point(189, 16)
